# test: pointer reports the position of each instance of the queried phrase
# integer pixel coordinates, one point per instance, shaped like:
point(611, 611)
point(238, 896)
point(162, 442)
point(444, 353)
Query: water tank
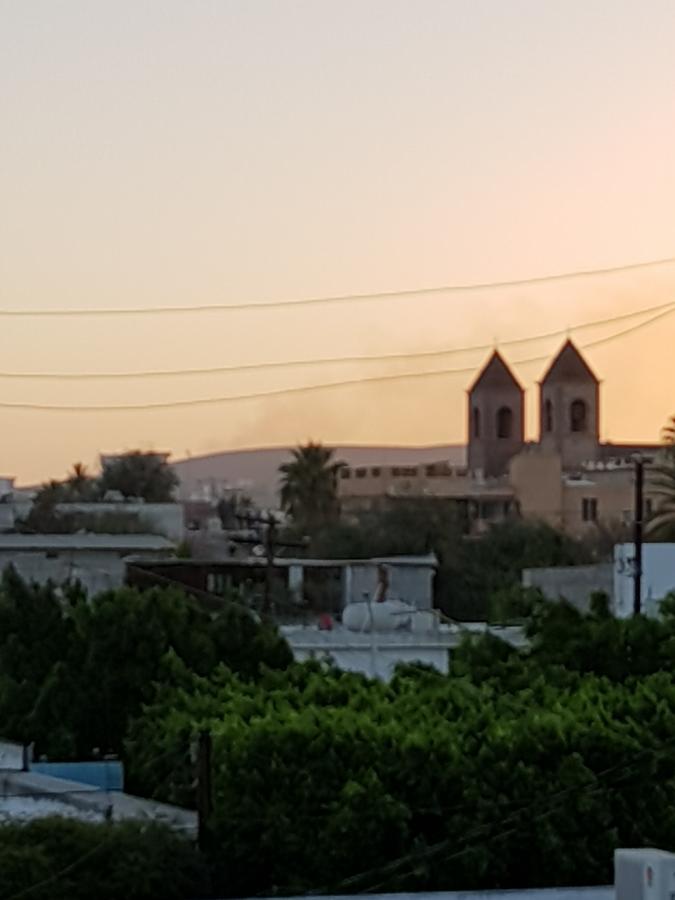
point(392, 615)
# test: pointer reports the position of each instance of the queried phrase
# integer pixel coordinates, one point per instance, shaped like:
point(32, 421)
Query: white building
point(377, 653)
point(95, 560)
point(658, 577)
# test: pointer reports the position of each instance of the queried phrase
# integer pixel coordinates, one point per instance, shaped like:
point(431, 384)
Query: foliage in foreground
point(74, 671)
point(326, 780)
point(57, 859)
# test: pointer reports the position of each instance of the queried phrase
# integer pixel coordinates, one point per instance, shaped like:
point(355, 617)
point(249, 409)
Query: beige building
point(568, 478)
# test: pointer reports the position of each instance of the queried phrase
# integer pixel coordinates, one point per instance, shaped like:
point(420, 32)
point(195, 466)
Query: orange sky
point(177, 153)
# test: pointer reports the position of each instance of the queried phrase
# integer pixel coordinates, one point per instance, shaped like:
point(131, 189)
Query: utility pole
point(637, 535)
point(271, 545)
point(204, 789)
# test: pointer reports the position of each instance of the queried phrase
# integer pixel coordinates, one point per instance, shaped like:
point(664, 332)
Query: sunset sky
point(161, 153)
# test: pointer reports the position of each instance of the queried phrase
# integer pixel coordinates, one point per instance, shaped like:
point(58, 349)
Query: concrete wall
point(574, 583)
point(536, 477)
point(107, 775)
point(581, 893)
point(410, 583)
point(658, 576)
point(379, 662)
point(97, 570)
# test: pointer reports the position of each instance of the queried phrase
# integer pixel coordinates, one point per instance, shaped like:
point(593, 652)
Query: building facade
point(568, 477)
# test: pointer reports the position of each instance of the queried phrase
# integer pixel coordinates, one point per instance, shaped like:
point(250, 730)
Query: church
point(568, 420)
point(567, 476)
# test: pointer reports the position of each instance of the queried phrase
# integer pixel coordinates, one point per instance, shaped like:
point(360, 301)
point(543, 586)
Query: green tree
point(58, 859)
point(309, 486)
point(138, 474)
point(100, 659)
point(662, 486)
point(434, 782)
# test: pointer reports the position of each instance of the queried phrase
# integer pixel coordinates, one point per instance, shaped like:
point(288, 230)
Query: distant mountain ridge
point(256, 471)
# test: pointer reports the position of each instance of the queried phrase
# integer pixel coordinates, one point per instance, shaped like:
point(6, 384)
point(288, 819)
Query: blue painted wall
point(108, 775)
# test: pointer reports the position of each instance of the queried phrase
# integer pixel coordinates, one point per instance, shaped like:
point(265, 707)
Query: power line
point(423, 354)
point(302, 389)
point(486, 831)
point(342, 298)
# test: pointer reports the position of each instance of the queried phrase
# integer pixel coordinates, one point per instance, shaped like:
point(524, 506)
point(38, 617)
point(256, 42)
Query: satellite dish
point(258, 550)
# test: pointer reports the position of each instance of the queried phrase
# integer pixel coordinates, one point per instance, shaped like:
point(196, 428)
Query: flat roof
point(285, 562)
point(134, 543)
point(579, 893)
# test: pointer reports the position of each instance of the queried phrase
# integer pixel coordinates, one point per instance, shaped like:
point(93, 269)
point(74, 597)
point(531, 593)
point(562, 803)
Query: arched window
point(475, 418)
point(504, 422)
point(548, 417)
point(578, 416)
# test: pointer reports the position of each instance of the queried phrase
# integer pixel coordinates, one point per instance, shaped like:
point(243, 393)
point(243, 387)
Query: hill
point(255, 472)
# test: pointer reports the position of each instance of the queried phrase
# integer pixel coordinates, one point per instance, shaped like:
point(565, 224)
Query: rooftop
point(134, 543)
point(589, 893)
point(256, 562)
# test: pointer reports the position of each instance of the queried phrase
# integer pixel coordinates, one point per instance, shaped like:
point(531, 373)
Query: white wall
point(379, 662)
point(591, 893)
point(411, 583)
point(97, 570)
point(658, 577)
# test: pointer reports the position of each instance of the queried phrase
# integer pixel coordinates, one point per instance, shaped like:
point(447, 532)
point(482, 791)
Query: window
point(376, 471)
point(548, 417)
point(361, 473)
point(504, 422)
point(578, 416)
point(589, 509)
point(345, 473)
point(649, 507)
point(475, 416)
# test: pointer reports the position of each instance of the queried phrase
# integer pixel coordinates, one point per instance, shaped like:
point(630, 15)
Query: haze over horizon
point(182, 154)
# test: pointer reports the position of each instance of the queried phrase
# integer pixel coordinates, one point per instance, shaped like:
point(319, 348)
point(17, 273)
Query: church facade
point(568, 413)
point(567, 476)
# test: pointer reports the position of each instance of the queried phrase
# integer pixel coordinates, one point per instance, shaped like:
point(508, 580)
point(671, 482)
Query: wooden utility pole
point(271, 545)
point(637, 535)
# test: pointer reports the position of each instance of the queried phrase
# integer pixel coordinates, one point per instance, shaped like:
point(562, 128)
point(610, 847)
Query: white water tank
point(392, 615)
point(644, 875)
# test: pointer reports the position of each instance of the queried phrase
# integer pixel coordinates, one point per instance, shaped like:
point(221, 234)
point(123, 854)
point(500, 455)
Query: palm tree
point(309, 486)
point(662, 487)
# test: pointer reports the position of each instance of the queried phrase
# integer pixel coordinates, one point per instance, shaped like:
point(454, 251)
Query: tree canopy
point(329, 782)
point(99, 659)
point(662, 486)
point(137, 474)
point(309, 486)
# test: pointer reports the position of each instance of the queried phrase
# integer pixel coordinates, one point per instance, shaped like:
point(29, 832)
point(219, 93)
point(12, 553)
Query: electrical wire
point(52, 879)
point(343, 298)
point(483, 831)
point(303, 389)
point(423, 354)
